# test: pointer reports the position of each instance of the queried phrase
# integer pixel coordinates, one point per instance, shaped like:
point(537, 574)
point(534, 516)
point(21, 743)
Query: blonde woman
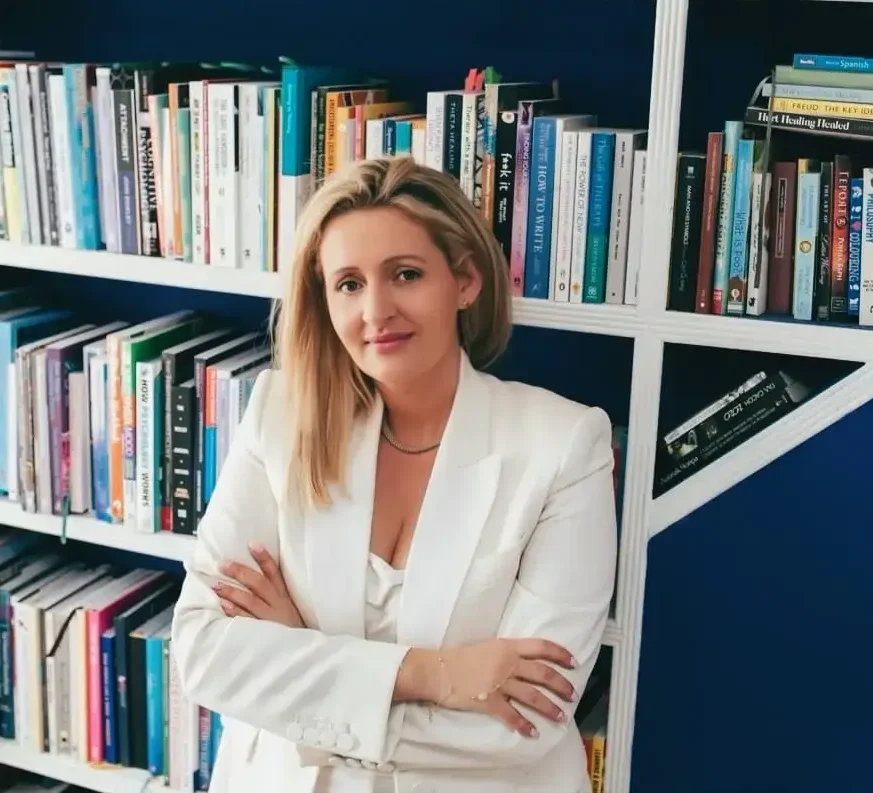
point(404, 573)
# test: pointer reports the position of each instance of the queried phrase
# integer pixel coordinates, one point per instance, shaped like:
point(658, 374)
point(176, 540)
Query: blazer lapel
point(456, 506)
point(337, 537)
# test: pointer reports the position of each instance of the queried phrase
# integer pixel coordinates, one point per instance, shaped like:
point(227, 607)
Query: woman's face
point(392, 298)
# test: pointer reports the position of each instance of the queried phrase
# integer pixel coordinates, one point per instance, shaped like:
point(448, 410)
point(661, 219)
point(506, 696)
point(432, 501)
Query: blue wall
point(749, 683)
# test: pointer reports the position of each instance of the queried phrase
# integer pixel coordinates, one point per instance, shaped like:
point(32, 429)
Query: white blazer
point(516, 538)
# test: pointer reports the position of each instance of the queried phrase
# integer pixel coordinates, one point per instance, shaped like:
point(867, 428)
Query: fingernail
point(226, 607)
point(533, 732)
point(560, 716)
point(573, 662)
point(217, 586)
point(256, 548)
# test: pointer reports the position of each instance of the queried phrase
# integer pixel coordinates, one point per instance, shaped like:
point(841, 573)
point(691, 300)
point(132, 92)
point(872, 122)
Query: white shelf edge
point(812, 339)
point(601, 318)
point(779, 438)
point(140, 269)
point(101, 779)
point(84, 528)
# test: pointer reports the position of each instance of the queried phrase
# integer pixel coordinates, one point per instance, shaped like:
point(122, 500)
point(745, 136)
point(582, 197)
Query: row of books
point(87, 665)
point(213, 164)
point(758, 232)
point(792, 239)
point(131, 422)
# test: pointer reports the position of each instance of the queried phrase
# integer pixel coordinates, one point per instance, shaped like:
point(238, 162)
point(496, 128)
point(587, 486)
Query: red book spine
point(712, 181)
point(781, 275)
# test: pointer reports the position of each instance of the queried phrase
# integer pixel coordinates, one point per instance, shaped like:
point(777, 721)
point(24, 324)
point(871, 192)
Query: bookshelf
point(649, 325)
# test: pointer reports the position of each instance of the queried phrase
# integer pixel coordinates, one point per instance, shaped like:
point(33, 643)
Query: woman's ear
point(469, 281)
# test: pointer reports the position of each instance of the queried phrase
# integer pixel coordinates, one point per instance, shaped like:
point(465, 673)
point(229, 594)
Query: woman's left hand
point(263, 596)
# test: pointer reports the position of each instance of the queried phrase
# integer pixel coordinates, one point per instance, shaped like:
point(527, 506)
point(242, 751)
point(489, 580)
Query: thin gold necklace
point(389, 436)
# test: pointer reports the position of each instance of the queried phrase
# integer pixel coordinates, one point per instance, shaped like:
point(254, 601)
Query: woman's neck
point(418, 412)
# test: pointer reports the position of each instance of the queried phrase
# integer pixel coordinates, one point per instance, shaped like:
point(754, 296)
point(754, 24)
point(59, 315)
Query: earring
point(463, 304)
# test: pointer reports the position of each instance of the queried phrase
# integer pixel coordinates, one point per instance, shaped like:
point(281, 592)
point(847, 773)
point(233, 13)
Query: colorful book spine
point(599, 210)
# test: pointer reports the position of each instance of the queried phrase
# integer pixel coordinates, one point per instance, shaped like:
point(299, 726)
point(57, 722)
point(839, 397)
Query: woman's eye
point(347, 286)
point(408, 275)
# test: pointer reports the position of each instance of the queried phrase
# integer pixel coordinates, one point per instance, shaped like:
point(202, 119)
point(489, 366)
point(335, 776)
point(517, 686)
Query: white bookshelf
point(647, 324)
point(101, 779)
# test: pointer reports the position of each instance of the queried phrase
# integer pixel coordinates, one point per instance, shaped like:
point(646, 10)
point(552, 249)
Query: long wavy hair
point(326, 389)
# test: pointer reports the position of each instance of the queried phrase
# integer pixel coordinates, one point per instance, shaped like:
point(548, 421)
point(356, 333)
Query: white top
point(384, 588)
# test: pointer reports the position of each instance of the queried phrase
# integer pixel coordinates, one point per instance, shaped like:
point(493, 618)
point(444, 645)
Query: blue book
point(539, 208)
point(738, 261)
point(156, 645)
point(599, 212)
point(806, 236)
point(833, 63)
point(856, 211)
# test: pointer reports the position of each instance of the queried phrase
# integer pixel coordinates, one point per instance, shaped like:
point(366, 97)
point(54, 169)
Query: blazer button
point(310, 735)
point(327, 738)
point(294, 732)
point(345, 743)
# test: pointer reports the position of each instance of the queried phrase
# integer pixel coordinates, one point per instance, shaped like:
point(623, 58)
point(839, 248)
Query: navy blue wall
point(756, 651)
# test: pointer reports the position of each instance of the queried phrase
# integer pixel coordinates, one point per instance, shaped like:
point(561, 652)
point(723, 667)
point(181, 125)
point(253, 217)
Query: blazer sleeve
point(562, 592)
point(331, 693)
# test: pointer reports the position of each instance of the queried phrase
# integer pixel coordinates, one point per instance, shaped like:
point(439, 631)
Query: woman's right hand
point(494, 676)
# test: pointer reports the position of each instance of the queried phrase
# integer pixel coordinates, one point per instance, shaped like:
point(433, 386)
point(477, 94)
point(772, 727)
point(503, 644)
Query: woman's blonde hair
point(326, 389)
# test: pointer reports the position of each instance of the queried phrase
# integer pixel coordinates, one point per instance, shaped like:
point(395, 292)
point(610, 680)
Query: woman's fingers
point(530, 695)
point(232, 610)
point(253, 580)
point(239, 599)
point(545, 650)
point(269, 568)
point(502, 710)
point(547, 677)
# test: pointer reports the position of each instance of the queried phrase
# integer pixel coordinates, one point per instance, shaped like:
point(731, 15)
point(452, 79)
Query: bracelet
point(444, 673)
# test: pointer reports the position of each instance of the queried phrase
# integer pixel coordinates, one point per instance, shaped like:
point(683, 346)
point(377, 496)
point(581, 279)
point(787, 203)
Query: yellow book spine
point(814, 107)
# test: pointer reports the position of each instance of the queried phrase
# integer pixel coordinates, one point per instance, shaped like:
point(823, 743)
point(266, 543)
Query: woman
point(404, 572)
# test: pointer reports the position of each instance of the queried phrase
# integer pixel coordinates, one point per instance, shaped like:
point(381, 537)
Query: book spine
point(503, 189)
point(822, 290)
point(839, 304)
point(687, 220)
point(833, 63)
point(721, 269)
point(144, 515)
point(808, 201)
point(759, 242)
point(539, 210)
point(128, 217)
point(856, 207)
point(580, 215)
point(523, 147)
point(865, 309)
point(561, 257)
point(45, 161)
point(626, 143)
point(709, 219)
point(599, 207)
point(782, 225)
point(183, 438)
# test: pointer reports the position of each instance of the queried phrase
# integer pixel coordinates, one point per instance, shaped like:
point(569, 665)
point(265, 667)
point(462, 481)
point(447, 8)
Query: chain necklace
point(389, 436)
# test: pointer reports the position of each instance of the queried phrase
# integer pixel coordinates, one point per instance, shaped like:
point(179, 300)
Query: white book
point(435, 112)
point(167, 204)
point(580, 214)
point(470, 103)
point(626, 143)
point(15, 116)
point(104, 132)
point(865, 311)
point(223, 99)
point(251, 215)
point(197, 90)
point(61, 161)
point(26, 114)
point(759, 246)
point(374, 138)
point(635, 235)
point(563, 198)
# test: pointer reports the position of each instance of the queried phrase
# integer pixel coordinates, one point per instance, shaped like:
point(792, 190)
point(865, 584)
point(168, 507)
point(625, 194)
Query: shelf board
point(763, 334)
point(102, 779)
point(609, 320)
point(808, 419)
point(140, 269)
point(84, 528)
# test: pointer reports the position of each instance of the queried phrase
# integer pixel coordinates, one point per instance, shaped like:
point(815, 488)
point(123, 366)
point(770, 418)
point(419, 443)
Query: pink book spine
point(99, 621)
point(95, 686)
